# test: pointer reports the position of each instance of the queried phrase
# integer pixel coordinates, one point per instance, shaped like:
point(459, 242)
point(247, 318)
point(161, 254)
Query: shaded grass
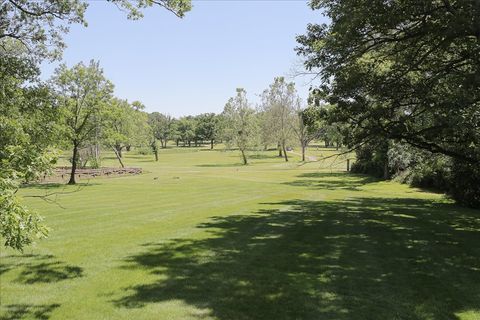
point(195, 237)
point(368, 258)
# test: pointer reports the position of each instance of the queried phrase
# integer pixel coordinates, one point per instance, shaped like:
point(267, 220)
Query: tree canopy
point(402, 70)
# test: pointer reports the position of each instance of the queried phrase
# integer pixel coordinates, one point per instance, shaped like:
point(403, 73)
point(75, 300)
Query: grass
point(198, 236)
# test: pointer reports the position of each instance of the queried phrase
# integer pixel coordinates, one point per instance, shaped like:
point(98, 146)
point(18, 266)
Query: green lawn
point(198, 236)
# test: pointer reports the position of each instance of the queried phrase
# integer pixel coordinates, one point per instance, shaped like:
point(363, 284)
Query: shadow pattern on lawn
point(28, 311)
point(364, 258)
point(331, 181)
point(35, 268)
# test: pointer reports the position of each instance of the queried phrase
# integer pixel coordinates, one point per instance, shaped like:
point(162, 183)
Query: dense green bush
point(372, 159)
point(465, 184)
point(421, 169)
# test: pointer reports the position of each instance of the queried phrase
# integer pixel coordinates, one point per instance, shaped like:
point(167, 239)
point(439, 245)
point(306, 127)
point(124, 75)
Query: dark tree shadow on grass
point(331, 181)
point(28, 311)
point(40, 269)
point(365, 258)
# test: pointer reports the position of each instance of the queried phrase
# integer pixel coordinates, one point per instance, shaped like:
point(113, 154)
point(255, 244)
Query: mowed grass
point(198, 236)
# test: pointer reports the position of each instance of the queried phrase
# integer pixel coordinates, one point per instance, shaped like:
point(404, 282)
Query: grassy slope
point(199, 236)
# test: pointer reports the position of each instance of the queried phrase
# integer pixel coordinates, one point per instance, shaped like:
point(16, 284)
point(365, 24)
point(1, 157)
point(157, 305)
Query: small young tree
point(82, 92)
point(240, 127)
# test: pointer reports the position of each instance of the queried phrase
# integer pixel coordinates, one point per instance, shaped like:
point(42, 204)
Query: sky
point(192, 65)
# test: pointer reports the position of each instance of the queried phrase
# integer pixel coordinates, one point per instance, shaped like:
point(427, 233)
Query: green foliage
point(28, 129)
point(123, 125)
point(38, 26)
point(240, 124)
point(280, 103)
point(207, 127)
point(465, 184)
point(406, 71)
point(162, 127)
point(372, 159)
point(424, 169)
point(83, 93)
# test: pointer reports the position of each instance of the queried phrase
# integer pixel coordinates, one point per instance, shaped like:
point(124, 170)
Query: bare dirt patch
point(63, 173)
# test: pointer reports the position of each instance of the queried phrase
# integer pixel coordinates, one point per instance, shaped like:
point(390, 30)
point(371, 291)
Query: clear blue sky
point(192, 65)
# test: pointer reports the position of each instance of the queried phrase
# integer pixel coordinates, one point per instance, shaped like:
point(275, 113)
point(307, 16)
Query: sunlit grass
point(199, 236)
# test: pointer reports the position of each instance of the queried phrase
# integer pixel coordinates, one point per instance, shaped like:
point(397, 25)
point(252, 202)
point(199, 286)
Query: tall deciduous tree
point(279, 103)
point(82, 92)
point(401, 70)
point(207, 127)
point(124, 124)
point(306, 126)
point(240, 123)
point(28, 130)
point(30, 32)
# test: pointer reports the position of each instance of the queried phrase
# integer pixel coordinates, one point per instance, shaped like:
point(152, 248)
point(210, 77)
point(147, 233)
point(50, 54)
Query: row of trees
point(84, 113)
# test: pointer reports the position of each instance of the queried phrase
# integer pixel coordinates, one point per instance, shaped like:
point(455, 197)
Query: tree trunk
point(177, 142)
point(118, 156)
point(303, 151)
point(245, 162)
point(74, 163)
point(385, 171)
point(118, 151)
point(279, 150)
point(189, 143)
point(285, 152)
point(211, 144)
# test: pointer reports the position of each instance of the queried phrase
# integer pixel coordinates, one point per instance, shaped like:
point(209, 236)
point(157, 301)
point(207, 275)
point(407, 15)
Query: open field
point(198, 236)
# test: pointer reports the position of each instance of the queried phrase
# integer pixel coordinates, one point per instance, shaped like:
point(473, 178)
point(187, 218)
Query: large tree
point(306, 126)
point(240, 124)
point(402, 70)
point(207, 127)
point(30, 32)
point(124, 125)
point(162, 126)
point(82, 92)
point(279, 104)
point(28, 130)
point(38, 26)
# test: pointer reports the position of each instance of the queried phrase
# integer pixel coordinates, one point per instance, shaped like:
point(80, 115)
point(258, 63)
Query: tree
point(403, 70)
point(124, 125)
point(307, 126)
point(31, 31)
point(82, 92)
point(241, 127)
point(28, 130)
point(186, 129)
point(279, 103)
point(207, 127)
point(38, 26)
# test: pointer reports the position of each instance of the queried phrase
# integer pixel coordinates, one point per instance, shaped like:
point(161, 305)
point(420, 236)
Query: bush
point(465, 184)
point(372, 159)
